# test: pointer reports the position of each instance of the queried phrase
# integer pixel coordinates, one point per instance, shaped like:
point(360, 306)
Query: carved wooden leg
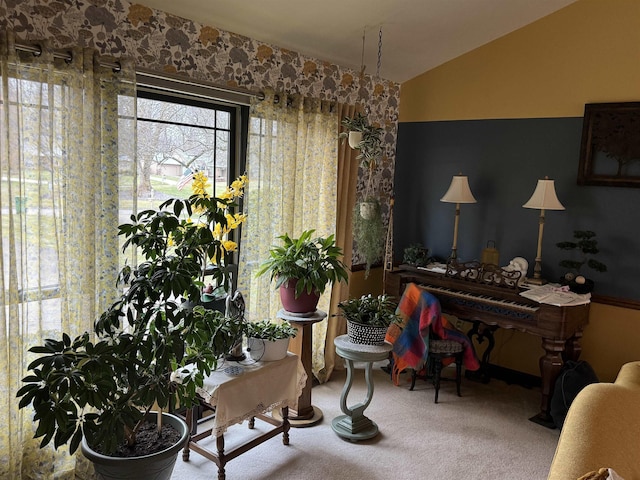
point(436, 377)
point(190, 422)
point(550, 366)
point(573, 347)
point(222, 461)
point(285, 425)
point(458, 372)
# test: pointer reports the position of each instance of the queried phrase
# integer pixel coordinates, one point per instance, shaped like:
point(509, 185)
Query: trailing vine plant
point(368, 229)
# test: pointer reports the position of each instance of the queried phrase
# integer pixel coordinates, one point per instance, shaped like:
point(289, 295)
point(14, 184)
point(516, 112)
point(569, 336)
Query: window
point(179, 134)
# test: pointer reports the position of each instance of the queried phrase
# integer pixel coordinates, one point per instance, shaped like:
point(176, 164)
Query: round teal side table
point(354, 425)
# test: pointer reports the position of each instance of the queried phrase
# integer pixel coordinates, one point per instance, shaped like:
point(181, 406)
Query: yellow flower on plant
point(217, 231)
point(235, 220)
point(226, 195)
point(237, 187)
point(229, 245)
point(200, 184)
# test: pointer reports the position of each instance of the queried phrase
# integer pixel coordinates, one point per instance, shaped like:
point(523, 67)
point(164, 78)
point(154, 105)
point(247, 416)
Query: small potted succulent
point(586, 246)
point(268, 341)
point(302, 268)
point(368, 318)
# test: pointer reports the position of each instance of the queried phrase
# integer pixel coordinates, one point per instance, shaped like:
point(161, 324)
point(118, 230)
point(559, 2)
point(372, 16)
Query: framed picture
point(610, 147)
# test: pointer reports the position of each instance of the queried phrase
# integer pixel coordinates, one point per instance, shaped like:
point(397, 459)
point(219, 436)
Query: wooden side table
point(246, 392)
point(306, 415)
point(353, 425)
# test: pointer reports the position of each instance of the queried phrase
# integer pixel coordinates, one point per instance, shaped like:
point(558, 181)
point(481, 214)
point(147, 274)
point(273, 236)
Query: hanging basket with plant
point(368, 228)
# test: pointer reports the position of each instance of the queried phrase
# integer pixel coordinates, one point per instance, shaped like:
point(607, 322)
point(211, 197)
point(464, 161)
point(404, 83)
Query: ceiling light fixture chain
point(379, 51)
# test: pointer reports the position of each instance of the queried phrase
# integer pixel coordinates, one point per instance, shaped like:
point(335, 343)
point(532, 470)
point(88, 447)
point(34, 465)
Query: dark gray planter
point(158, 466)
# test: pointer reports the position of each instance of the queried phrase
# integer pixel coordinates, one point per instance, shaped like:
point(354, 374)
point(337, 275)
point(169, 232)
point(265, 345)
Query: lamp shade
point(459, 191)
point(544, 197)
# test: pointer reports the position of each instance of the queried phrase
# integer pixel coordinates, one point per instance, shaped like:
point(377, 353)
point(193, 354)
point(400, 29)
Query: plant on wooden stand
point(303, 267)
point(100, 387)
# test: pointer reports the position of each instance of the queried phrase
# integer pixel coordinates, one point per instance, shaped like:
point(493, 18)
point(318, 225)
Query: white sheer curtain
point(292, 170)
point(59, 203)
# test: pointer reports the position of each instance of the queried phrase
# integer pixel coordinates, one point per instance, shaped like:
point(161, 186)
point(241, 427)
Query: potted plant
point(586, 245)
point(416, 255)
point(368, 228)
point(368, 318)
point(302, 268)
point(99, 388)
point(368, 232)
point(354, 128)
point(268, 341)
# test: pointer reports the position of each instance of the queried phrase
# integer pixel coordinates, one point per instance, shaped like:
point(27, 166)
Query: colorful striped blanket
point(421, 316)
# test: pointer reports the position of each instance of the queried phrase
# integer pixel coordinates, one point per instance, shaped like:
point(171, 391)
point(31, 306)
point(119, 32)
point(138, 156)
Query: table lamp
point(459, 192)
point(543, 198)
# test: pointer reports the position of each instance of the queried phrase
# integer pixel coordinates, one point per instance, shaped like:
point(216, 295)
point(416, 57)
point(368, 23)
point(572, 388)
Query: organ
point(489, 298)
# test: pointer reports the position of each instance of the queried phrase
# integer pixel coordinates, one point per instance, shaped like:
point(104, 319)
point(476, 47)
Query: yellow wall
point(359, 285)
point(588, 52)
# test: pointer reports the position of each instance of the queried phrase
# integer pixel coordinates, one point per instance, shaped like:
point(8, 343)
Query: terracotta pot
point(305, 303)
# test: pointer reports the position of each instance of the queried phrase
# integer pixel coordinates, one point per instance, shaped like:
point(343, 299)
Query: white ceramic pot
point(262, 350)
point(354, 139)
point(367, 210)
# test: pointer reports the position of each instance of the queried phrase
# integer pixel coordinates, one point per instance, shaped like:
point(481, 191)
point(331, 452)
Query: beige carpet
point(485, 434)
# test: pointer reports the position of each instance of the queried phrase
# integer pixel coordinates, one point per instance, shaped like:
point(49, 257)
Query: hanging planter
point(368, 232)
point(355, 138)
point(368, 228)
point(368, 210)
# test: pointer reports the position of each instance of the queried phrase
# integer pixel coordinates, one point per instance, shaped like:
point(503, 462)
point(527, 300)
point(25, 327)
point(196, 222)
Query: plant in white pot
point(99, 388)
point(368, 318)
point(353, 129)
point(302, 268)
point(268, 341)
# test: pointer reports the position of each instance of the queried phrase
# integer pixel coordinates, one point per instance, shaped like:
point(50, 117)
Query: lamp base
point(535, 281)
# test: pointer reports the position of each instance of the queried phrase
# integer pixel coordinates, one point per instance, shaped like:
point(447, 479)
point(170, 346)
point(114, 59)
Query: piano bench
point(438, 351)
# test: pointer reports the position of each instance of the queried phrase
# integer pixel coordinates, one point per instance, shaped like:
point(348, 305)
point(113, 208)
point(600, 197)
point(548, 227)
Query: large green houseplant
point(100, 387)
point(302, 268)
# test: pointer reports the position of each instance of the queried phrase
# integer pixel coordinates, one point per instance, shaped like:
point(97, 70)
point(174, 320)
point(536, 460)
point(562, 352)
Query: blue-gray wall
point(503, 160)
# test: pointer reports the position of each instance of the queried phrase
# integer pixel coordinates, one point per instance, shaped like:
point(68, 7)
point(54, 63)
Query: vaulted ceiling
point(417, 35)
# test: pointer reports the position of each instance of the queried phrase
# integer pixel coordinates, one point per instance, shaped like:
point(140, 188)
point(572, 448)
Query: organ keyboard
point(489, 307)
